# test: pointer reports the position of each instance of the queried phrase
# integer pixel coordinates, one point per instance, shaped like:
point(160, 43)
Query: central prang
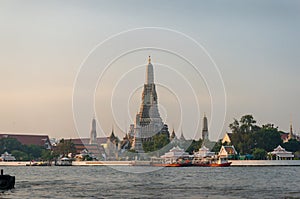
point(148, 122)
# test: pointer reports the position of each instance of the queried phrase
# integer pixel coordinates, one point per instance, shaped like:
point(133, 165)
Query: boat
point(179, 162)
point(176, 157)
point(165, 165)
point(64, 162)
point(32, 163)
point(7, 182)
point(211, 162)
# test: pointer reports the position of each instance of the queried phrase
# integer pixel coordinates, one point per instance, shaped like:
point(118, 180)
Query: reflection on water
point(187, 182)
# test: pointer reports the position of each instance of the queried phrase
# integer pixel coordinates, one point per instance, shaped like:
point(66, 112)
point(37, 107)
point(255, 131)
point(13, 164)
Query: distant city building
point(26, 139)
point(148, 121)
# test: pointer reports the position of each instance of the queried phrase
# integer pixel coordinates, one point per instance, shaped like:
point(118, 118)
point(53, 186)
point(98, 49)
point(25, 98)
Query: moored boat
point(32, 163)
point(212, 162)
point(165, 165)
point(64, 162)
point(179, 162)
point(6, 182)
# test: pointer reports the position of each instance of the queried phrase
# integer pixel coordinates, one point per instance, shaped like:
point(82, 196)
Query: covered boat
point(215, 161)
point(176, 157)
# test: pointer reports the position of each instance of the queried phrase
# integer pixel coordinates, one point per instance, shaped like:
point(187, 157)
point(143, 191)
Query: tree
point(33, 151)
point(235, 126)
point(156, 143)
point(259, 154)
point(267, 138)
point(247, 135)
point(218, 146)
point(20, 155)
point(194, 146)
point(47, 155)
point(9, 144)
point(64, 148)
point(247, 123)
point(292, 145)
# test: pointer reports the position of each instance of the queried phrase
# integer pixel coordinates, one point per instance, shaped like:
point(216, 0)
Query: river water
point(184, 182)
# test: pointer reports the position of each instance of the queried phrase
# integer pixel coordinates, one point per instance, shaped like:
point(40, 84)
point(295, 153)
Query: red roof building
point(39, 140)
point(84, 143)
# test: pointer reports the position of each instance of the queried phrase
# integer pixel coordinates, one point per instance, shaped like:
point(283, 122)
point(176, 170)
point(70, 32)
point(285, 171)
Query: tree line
point(250, 138)
point(34, 152)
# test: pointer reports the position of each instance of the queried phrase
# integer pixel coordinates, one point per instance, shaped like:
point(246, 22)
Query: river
point(189, 182)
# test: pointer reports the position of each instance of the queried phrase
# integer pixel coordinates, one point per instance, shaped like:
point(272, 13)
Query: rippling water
point(188, 182)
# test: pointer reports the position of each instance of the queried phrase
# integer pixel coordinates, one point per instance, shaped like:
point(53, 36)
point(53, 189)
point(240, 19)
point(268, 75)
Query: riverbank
point(235, 163)
point(249, 163)
point(14, 163)
point(102, 163)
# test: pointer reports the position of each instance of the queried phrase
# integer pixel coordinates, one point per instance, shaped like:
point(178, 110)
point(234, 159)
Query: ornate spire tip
point(149, 59)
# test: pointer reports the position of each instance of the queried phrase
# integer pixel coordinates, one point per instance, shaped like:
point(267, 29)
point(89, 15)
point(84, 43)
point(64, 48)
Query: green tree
point(64, 148)
point(47, 155)
point(235, 126)
point(34, 152)
point(194, 146)
point(20, 155)
point(9, 144)
point(218, 146)
point(292, 145)
point(297, 155)
point(247, 135)
point(267, 138)
point(259, 154)
point(157, 142)
point(247, 123)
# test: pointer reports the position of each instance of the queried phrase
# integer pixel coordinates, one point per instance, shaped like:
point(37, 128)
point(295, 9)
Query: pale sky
point(255, 44)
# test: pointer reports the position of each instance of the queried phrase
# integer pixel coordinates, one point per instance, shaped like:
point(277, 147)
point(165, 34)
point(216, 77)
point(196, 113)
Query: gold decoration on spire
point(149, 59)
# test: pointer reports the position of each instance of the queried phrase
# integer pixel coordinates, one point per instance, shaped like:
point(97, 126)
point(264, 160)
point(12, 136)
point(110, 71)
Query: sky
point(44, 45)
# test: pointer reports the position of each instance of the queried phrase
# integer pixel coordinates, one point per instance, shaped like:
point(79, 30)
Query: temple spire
point(291, 134)
point(291, 125)
point(93, 134)
point(205, 128)
point(149, 72)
